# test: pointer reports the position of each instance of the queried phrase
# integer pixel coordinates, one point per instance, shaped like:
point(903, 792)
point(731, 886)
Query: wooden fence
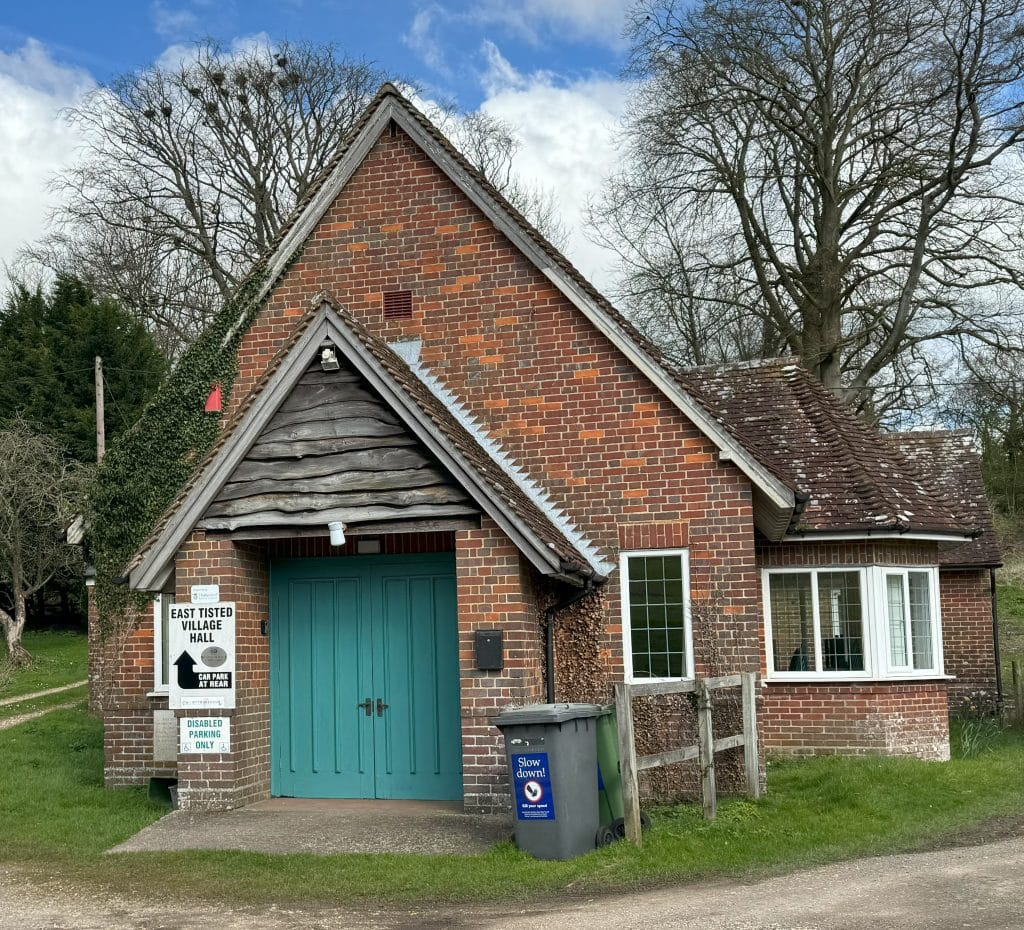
point(704, 750)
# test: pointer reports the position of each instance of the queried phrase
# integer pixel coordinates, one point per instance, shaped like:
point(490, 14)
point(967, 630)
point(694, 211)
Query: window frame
point(877, 666)
point(627, 630)
point(160, 686)
point(908, 671)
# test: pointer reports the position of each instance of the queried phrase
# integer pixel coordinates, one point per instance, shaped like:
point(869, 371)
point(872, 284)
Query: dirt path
point(7, 722)
point(38, 694)
point(967, 888)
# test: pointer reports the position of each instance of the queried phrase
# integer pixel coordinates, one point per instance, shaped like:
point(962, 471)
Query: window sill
point(826, 679)
point(156, 694)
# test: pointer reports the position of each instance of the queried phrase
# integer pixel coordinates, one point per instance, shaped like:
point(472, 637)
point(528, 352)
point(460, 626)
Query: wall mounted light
point(337, 530)
point(329, 359)
point(90, 576)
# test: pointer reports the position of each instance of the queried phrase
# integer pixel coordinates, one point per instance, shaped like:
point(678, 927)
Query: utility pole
point(101, 433)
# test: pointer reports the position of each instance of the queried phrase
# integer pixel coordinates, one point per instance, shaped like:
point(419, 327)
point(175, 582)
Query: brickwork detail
point(883, 552)
point(222, 781)
point(895, 718)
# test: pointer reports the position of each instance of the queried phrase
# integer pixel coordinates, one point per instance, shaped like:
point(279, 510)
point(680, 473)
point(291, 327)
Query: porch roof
point(545, 537)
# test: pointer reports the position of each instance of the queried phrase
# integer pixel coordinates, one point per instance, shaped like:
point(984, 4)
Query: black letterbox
point(488, 650)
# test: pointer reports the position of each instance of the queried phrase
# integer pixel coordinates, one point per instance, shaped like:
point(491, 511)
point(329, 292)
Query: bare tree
point(836, 179)
point(40, 491)
point(188, 173)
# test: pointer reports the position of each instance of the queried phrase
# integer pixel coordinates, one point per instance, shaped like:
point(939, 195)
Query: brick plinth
point(895, 718)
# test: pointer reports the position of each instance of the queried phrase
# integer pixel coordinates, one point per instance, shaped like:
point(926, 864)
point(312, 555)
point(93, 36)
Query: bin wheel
point(619, 825)
point(605, 836)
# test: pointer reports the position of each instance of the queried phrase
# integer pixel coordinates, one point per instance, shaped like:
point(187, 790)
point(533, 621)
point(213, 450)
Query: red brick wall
point(966, 599)
point(896, 718)
point(883, 552)
point(804, 718)
point(562, 401)
point(121, 688)
point(495, 590)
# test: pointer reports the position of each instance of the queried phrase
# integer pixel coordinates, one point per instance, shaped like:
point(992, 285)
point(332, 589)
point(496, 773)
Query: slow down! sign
point(202, 641)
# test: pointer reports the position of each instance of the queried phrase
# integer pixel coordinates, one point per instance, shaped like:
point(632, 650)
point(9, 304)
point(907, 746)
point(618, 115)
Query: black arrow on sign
point(187, 677)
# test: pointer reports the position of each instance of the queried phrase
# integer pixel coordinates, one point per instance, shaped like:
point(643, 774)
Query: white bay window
point(870, 623)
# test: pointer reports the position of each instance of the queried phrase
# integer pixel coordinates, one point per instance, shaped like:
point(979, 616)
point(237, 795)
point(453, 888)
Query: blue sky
point(550, 67)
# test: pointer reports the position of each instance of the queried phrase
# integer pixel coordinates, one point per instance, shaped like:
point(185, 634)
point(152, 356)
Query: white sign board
point(202, 650)
point(205, 734)
point(205, 593)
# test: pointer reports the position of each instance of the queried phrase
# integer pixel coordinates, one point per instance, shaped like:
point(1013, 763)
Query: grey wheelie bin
point(552, 760)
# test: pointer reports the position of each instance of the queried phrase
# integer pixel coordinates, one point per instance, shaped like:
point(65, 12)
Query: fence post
point(627, 763)
point(706, 751)
point(751, 761)
point(1018, 692)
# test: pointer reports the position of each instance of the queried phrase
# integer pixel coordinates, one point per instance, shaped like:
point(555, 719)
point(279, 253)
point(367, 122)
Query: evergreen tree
point(48, 344)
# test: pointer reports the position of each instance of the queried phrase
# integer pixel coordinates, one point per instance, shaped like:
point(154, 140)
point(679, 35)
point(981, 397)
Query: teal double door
point(364, 678)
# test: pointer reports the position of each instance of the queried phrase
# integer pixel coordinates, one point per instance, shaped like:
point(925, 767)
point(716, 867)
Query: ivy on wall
point(146, 467)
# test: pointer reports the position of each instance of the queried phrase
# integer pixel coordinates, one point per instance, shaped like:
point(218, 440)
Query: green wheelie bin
point(611, 807)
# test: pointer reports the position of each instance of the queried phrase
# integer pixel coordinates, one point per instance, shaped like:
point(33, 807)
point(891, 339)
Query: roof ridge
point(961, 433)
point(776, 361)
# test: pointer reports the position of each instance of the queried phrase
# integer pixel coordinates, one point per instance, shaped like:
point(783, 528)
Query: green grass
point(57, 659)
point(56, 818)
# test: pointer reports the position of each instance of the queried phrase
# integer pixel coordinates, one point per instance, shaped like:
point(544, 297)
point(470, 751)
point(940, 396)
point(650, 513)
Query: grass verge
point(56, 818)
point(57, 659)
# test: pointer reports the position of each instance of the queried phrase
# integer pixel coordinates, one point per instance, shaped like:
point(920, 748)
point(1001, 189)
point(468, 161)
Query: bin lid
point(545, 713)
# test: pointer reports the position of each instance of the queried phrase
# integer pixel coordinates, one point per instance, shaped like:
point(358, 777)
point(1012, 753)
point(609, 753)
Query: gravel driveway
point(963, 888)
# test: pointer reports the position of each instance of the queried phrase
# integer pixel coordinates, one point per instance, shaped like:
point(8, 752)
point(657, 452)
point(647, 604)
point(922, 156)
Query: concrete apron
point(327, 827)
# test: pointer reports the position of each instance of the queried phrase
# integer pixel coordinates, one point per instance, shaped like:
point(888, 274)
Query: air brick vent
point(398, 305)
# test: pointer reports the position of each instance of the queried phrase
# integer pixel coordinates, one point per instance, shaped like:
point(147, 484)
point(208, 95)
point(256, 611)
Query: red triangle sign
point(214, 403)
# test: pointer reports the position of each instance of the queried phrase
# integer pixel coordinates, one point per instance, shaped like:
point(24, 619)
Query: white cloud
point(173, 23)
point(599, 21)
point(568, 133)
point(34, 142)
point(538, 22)
point(422, 40)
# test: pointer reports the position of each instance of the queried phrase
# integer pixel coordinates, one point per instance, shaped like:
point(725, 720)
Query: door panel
point(320, 744)
point(418, 742)
point(342, 631)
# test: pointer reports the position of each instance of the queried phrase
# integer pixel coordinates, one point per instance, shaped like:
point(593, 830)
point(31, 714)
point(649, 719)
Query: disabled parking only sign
point(532, 780)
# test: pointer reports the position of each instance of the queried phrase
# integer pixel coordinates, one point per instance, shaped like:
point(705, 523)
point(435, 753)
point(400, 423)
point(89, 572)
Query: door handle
point(367, 706)
point(381, 707)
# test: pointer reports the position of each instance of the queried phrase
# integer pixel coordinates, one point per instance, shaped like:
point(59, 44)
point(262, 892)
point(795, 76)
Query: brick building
point(504, 453)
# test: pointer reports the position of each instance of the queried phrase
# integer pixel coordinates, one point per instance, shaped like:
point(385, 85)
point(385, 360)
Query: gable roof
point(951, 460)
point(774, 498)
point(851, 479)
point(533, 531)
